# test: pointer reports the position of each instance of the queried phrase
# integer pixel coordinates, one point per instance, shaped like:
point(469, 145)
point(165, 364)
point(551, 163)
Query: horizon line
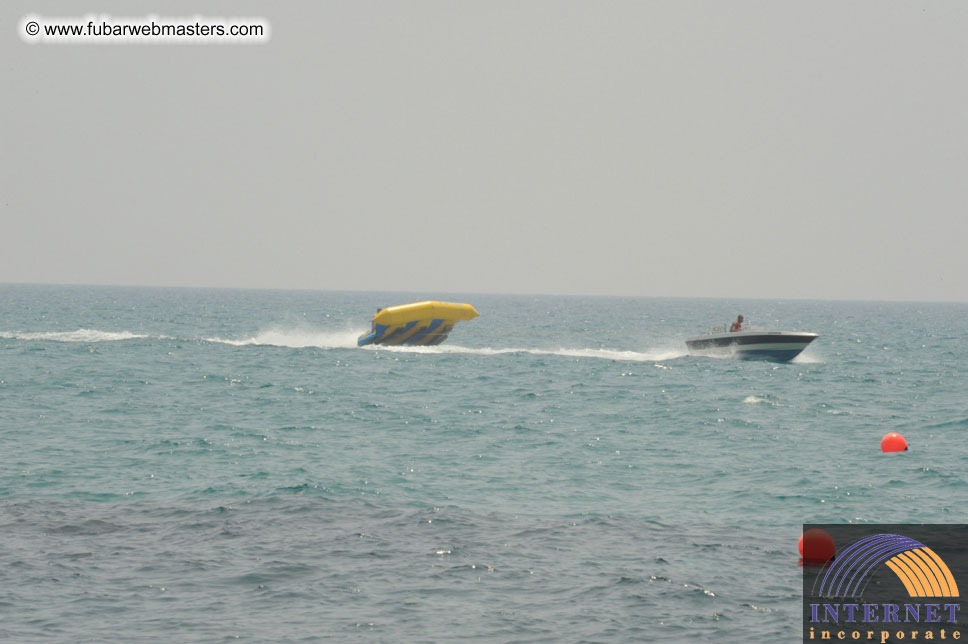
point(450, 292)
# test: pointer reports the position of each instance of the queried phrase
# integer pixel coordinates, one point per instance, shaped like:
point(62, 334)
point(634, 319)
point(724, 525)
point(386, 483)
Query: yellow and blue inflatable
point(420, 323)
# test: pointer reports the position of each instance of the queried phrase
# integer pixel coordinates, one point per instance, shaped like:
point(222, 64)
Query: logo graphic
point(884, 583)
point(919, 568)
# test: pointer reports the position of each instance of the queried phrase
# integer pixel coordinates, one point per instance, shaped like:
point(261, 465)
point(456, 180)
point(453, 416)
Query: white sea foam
point(81, 335)
point(295, 339)
point(603, 354)
point(757, 400)
point(303, 338)
point(809, 356)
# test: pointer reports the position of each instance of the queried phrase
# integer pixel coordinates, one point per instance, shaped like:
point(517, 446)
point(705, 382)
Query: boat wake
point(602, 354)
point(809, 356)
point(295, 339)
point(306, 338)
point(311, 338)
point(80, 335)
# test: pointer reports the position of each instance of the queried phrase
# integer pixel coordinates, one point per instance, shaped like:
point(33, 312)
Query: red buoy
point(893, 442)
point(816, 545)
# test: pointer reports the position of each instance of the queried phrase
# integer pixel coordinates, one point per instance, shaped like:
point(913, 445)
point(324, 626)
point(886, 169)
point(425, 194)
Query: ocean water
point(217, 465)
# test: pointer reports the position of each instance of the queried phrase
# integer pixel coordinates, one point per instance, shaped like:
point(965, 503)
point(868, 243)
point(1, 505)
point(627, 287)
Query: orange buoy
point(893, 442)
point(816, 545)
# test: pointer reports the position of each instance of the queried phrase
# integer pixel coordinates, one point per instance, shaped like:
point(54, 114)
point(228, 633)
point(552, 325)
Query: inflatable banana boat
point(420, 323)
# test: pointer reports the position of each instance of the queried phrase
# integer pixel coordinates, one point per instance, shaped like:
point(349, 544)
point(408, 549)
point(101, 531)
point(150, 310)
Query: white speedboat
point(751, 345)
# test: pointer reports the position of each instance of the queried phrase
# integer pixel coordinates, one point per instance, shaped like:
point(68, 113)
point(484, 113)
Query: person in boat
point(373, 320)
point(737, 325)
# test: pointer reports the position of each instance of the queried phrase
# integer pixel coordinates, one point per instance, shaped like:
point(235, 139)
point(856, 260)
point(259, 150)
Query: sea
point(219, 465)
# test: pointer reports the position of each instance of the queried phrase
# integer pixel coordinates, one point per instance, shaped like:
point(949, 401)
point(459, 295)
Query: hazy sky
point(707, 148)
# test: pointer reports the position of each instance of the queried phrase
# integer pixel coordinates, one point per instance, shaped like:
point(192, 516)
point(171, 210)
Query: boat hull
point(780, 346)
point(416, 333)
